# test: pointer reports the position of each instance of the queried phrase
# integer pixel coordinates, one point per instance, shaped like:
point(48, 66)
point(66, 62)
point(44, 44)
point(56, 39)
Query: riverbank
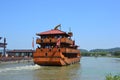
point(113, 52)
point(103, 56)
point(4, 60)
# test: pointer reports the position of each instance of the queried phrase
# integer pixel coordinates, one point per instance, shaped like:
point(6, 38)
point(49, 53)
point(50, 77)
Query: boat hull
point(56, 57)
point(55, 61)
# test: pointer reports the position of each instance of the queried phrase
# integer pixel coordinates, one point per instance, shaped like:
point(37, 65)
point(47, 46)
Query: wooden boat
point(56, 48)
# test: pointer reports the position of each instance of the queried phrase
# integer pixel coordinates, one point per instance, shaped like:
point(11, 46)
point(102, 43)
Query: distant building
point(20, 53)
point(109, 55)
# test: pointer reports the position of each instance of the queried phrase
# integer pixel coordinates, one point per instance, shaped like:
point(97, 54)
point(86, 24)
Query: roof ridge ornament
point(56, 27)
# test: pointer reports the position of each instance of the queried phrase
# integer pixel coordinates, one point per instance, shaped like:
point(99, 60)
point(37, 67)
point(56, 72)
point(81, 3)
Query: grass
point(111, 77)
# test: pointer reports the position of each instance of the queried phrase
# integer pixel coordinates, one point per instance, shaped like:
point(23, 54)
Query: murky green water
point(90, 68)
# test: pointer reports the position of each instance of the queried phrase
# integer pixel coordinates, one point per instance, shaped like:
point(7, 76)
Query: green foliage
point(101, 52)
point(117, 53)
point(106, 50)
point(85, 53)
point(111, 77)
point(94, 53)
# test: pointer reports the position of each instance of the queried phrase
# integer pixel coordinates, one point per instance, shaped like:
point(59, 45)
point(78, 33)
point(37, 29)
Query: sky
point(95, 23)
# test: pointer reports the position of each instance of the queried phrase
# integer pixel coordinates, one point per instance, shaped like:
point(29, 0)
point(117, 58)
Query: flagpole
point(33, 43)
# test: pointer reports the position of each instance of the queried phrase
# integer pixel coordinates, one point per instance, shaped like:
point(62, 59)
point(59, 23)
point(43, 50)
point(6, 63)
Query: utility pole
point(4, 46)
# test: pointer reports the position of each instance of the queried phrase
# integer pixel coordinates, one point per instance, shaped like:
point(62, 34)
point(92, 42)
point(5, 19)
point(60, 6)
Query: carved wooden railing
point(54, 50)
point(69, 50)
point(53, 40)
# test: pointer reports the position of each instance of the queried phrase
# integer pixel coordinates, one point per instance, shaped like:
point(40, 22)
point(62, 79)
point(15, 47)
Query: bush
point(117, 53)
point(111, 77)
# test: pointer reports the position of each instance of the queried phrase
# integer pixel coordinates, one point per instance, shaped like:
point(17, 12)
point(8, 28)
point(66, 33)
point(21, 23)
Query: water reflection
point(58, 73)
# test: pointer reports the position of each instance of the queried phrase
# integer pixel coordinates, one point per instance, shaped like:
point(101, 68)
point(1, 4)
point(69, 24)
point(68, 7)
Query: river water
point(90, 68)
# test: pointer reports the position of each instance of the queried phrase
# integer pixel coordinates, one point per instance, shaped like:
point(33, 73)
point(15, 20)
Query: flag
point(33, 43)
point(58, 42)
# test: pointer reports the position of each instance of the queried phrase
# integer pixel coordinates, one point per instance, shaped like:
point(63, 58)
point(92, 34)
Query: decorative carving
point(56, 27)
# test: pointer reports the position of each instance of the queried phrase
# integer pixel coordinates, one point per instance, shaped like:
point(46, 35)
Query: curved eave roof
point(52, 32)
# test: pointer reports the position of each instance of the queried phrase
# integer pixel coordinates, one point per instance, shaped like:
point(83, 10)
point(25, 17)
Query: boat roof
point(52, 32)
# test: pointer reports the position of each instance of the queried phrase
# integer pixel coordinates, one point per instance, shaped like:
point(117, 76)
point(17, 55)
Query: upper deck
point(54, 40)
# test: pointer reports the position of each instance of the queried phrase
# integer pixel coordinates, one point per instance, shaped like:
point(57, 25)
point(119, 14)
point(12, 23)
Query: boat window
point(55, 36)
point(60, 36)
point(42, 40)
point(59, 50)
point(46, 54)
point(43, 37)
point(49, 49)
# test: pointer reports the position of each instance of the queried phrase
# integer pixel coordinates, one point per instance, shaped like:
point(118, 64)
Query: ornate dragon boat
point(56, 48)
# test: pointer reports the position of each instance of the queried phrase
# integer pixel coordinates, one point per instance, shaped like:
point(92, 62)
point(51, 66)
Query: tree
point(116, 53)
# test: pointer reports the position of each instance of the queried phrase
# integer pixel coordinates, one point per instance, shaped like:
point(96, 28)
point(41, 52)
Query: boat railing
point(53, 40)
point(66, 40)
point(70, 50)
point(63, 50)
